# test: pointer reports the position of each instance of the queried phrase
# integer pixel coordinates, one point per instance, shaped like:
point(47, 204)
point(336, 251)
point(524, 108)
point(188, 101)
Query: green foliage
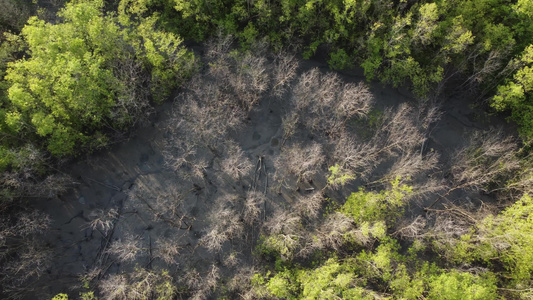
point(504, 240)
point(333, 279)
point(386, 205)
point(67, 88)
point(248, 36)
point(338, 176)
point(456, 285)
point(380, 263)
point(516, 94)
point(26, 159)
point(383, 266)
point(340, 60)
point(283, 285)
point(64, 86)
point(60, 297)
point(386, 269)
point(88, 296)
point(278, 244)
point(427, 23)
point(168, 62)
point(509, 236)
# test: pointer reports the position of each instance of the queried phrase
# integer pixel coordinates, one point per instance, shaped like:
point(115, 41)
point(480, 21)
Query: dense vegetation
point(77, 81)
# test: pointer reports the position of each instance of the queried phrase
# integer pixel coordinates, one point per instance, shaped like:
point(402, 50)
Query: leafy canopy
point(67, 87)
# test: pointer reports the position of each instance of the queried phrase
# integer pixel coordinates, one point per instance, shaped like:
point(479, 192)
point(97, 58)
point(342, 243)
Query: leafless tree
point(202, 286)
point(114, 287)
point(168, 203)
point(90, 275)
point(23, 254)
point(285, 233)
point(301, 161)
point(285, 67)
point(410, 164)
point(399, 132)
point(26, 178)
point(164, 203)
point(214, 238)
point(325, 102)
point(522, 181)
point(230, 220)
point(102, 220)
point(32, 223)
point(225, 225)
point(253, 206)
point(489, 157)
point(333, 233)
point(449, 226)
point(218, 47)
point(192, 279)
point(242, 78)
point(212, 278)
point(240, 283)
point(126, 249)
point(354, 100)
point(205, 118)
point(429, 113)
point(250, 80)
point(232, 259)
point(289, 123)
point(53, 185)
point(234, 162)
point(411, 229)
point(182, 157)
point(309, 205)
point(168, 250)
point(133, 103)
point(138, 285)
point(283, 222)
point(32, 259)
point(356, 158)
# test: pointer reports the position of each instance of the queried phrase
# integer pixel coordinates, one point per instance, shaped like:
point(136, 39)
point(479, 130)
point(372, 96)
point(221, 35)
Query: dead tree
point(488, 158)
point(334, 232)
point(103, 221)
point(284, 71)
point(410, 165)
point(225, 225)
point(23, 254)
point(355, 158)
point(250, 79)
point(234, 162)
point(485, 164)
point(309, 205)
point(411, 229)
point(132, 104)
point(254, 206)
point(200, 287)
point(300, 161)
point(168, 250)
point(399, 132)
point(325, 102)
point(127, 249)
point(138, 285)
